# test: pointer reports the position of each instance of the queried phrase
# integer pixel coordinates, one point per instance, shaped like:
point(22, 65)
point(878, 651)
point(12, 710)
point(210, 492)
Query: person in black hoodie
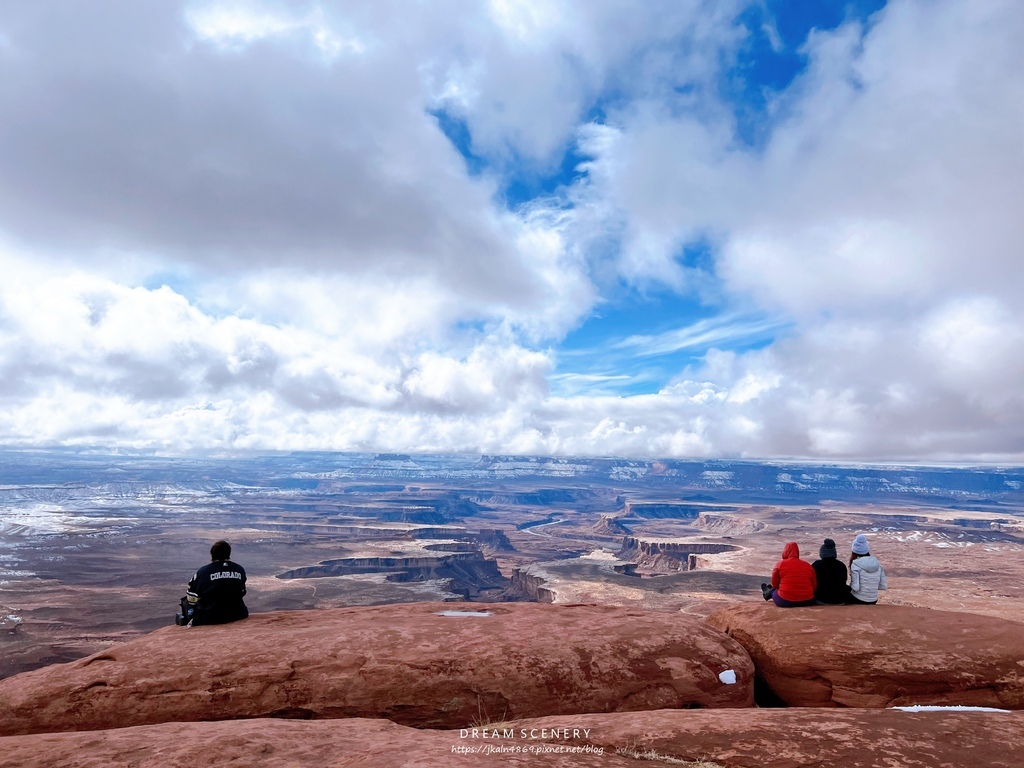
point(215, 592)
point(831, 571)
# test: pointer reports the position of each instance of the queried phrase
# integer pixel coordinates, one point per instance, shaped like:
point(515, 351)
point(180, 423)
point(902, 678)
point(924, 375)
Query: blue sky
point(720, 229)
point(639, 338)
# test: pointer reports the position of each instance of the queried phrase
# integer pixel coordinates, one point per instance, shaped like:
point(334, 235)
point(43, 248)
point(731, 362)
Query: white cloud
point(525, 82)
point(248, 159)
point(893, 182)
point(336, 278)
point(879, 216)
point(525, 19)
point(711, 332)
point(237, 24)
point(146, 367)
point(491, 379)
point(895, 165)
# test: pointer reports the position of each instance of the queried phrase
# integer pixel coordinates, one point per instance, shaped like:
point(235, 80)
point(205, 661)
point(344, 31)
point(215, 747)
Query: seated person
point(831, 574)
point(793, 580)
point(866, 574)
point(215, 592)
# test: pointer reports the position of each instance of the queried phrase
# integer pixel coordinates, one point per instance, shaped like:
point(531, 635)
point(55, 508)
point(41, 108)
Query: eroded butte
point(97, 550)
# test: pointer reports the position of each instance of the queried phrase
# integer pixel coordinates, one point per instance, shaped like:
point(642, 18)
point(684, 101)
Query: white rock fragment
point(728, 677)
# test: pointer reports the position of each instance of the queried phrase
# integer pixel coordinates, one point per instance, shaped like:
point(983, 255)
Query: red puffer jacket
point(794, 578)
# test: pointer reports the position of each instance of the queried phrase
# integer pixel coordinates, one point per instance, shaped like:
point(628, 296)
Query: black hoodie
point(832, 587)
point(218, 587)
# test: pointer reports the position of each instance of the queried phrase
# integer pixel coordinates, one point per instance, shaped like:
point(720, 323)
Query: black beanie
point(828, 549)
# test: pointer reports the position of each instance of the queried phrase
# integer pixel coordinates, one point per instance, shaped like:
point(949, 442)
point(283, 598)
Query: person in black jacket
point(215, 593)
point(831, 571)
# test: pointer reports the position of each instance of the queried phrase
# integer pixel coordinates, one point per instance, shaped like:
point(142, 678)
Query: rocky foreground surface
point(408, 663)
point(880, 656)
point(751, 738)
point(533, 684)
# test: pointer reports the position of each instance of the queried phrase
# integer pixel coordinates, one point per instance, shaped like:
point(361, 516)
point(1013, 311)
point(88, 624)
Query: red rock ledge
point(403, 662)
point(748, 738)
point(880, 656)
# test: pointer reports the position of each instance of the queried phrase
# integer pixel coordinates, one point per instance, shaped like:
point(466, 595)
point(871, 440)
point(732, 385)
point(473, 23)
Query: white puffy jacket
point(866, 578)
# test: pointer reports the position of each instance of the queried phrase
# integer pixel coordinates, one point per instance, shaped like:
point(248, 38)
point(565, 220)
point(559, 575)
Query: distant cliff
point(494, 539)
point(668, 554)
point(462, 564)
point(525, 585)
point(433, 511)
point(610, 525)
point(658, 510)
point(539, 497)
point(730, 525)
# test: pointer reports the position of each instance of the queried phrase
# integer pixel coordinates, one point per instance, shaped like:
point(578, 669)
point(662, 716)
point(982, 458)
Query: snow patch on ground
point(953, 708)
point(47, 519)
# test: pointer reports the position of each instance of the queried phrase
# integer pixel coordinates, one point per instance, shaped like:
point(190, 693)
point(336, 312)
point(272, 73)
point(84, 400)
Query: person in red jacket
point(793, 580)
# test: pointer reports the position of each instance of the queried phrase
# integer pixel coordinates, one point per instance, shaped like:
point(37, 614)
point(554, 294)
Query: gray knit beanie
point(860, 545)
point(828, 549)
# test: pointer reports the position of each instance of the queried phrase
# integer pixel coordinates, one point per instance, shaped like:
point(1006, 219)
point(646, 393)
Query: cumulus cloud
point(894, 181)
point(147, 366)
point(531, 69)
point(239, 224)
point(878, 216)
point(127, 128)
point(894, 164)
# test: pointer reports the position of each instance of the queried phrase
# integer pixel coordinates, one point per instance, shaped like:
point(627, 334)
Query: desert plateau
point(572, 611)
point(97, 550)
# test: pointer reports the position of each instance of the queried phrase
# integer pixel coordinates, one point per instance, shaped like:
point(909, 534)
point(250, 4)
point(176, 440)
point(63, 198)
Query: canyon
point(95, 552)
point(97, 549)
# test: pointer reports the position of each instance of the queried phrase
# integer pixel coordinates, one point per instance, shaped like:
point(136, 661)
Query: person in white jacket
point(866, 574)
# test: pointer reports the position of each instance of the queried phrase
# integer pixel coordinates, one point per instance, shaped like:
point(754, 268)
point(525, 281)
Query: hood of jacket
point(791, 550)
point(868, 563)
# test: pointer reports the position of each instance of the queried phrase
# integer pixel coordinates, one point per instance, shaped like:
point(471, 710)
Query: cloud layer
point(241, 225)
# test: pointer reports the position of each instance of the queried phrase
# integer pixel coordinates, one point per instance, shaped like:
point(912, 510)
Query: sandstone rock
point(879, 656)
point(404, 662)
point(352, 743)
point(668, 555)
point(772, 738)
point(808, 738)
